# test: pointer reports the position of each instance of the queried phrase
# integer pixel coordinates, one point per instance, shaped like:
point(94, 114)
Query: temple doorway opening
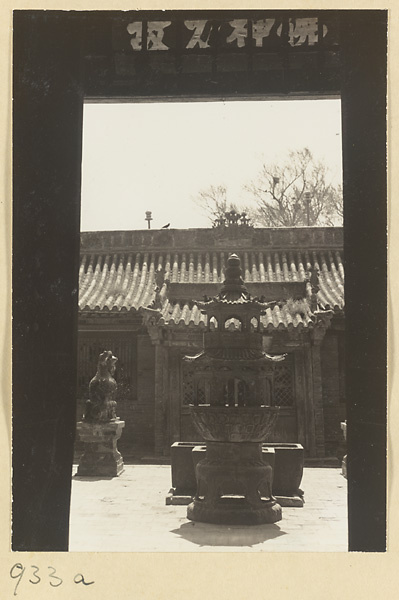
point(168, 190)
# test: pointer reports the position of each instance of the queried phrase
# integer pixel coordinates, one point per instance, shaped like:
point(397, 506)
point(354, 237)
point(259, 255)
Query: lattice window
point(284, 383)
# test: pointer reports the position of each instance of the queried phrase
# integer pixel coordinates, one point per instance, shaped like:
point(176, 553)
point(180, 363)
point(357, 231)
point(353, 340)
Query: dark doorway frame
point(48, 94)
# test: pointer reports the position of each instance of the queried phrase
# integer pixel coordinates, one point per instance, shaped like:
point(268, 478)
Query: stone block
point(294, 499)
point(288, 467)
point(183, 472)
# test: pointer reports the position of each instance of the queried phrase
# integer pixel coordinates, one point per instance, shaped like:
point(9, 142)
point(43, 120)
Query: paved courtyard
point(128, 514)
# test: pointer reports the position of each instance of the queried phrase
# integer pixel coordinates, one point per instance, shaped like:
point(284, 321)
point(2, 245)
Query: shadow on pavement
point(86, 478)
point(205, 534)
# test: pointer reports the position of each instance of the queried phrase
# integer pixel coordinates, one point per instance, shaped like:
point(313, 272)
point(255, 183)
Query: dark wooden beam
point(364, 43)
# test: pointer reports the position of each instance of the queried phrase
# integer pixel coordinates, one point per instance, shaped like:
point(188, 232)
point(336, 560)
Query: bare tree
point(214, 202)
point(296, 193)
point(335, 209)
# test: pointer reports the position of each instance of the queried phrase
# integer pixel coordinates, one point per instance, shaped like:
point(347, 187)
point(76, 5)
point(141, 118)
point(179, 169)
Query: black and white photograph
point(199, 282)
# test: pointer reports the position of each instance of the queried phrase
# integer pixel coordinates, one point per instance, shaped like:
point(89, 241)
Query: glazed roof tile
point(125, 281)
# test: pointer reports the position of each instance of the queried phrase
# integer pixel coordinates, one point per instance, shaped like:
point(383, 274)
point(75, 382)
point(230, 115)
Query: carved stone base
point(175, 499)
point(234, 486)
point(101, 457)
point(234, 511)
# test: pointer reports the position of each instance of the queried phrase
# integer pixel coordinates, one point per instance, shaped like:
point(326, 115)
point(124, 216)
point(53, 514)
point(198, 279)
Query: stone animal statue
point(101, 406)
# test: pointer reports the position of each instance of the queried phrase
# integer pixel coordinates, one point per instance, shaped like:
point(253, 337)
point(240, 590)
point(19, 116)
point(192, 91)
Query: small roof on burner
point(234, 291)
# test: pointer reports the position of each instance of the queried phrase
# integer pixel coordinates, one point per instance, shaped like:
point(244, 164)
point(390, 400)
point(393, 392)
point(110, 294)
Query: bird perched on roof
point(165, 226)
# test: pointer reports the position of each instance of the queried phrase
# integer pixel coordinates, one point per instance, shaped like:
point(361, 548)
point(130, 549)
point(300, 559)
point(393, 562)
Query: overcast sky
point(158, 156)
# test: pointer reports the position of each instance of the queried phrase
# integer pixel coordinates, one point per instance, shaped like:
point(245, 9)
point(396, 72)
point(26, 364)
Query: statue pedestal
point(101, 457)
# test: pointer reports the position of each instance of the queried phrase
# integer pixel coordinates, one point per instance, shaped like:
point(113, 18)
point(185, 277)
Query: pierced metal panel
point(284, 383)
point(188, 387)
point(189, 394)
point(201, 393)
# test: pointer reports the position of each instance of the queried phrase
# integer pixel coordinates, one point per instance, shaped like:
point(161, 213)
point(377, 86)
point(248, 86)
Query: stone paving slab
point(128, 514)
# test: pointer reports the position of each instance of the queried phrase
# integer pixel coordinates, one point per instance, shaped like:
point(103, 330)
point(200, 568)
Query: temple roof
point(120, 272)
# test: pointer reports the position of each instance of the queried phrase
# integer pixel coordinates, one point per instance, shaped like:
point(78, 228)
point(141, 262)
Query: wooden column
point(174, 395)
point(304, 436)
point(309, 401)
point(161, 399)
point(317, 385)
point(363, 37)
point(47, 139)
